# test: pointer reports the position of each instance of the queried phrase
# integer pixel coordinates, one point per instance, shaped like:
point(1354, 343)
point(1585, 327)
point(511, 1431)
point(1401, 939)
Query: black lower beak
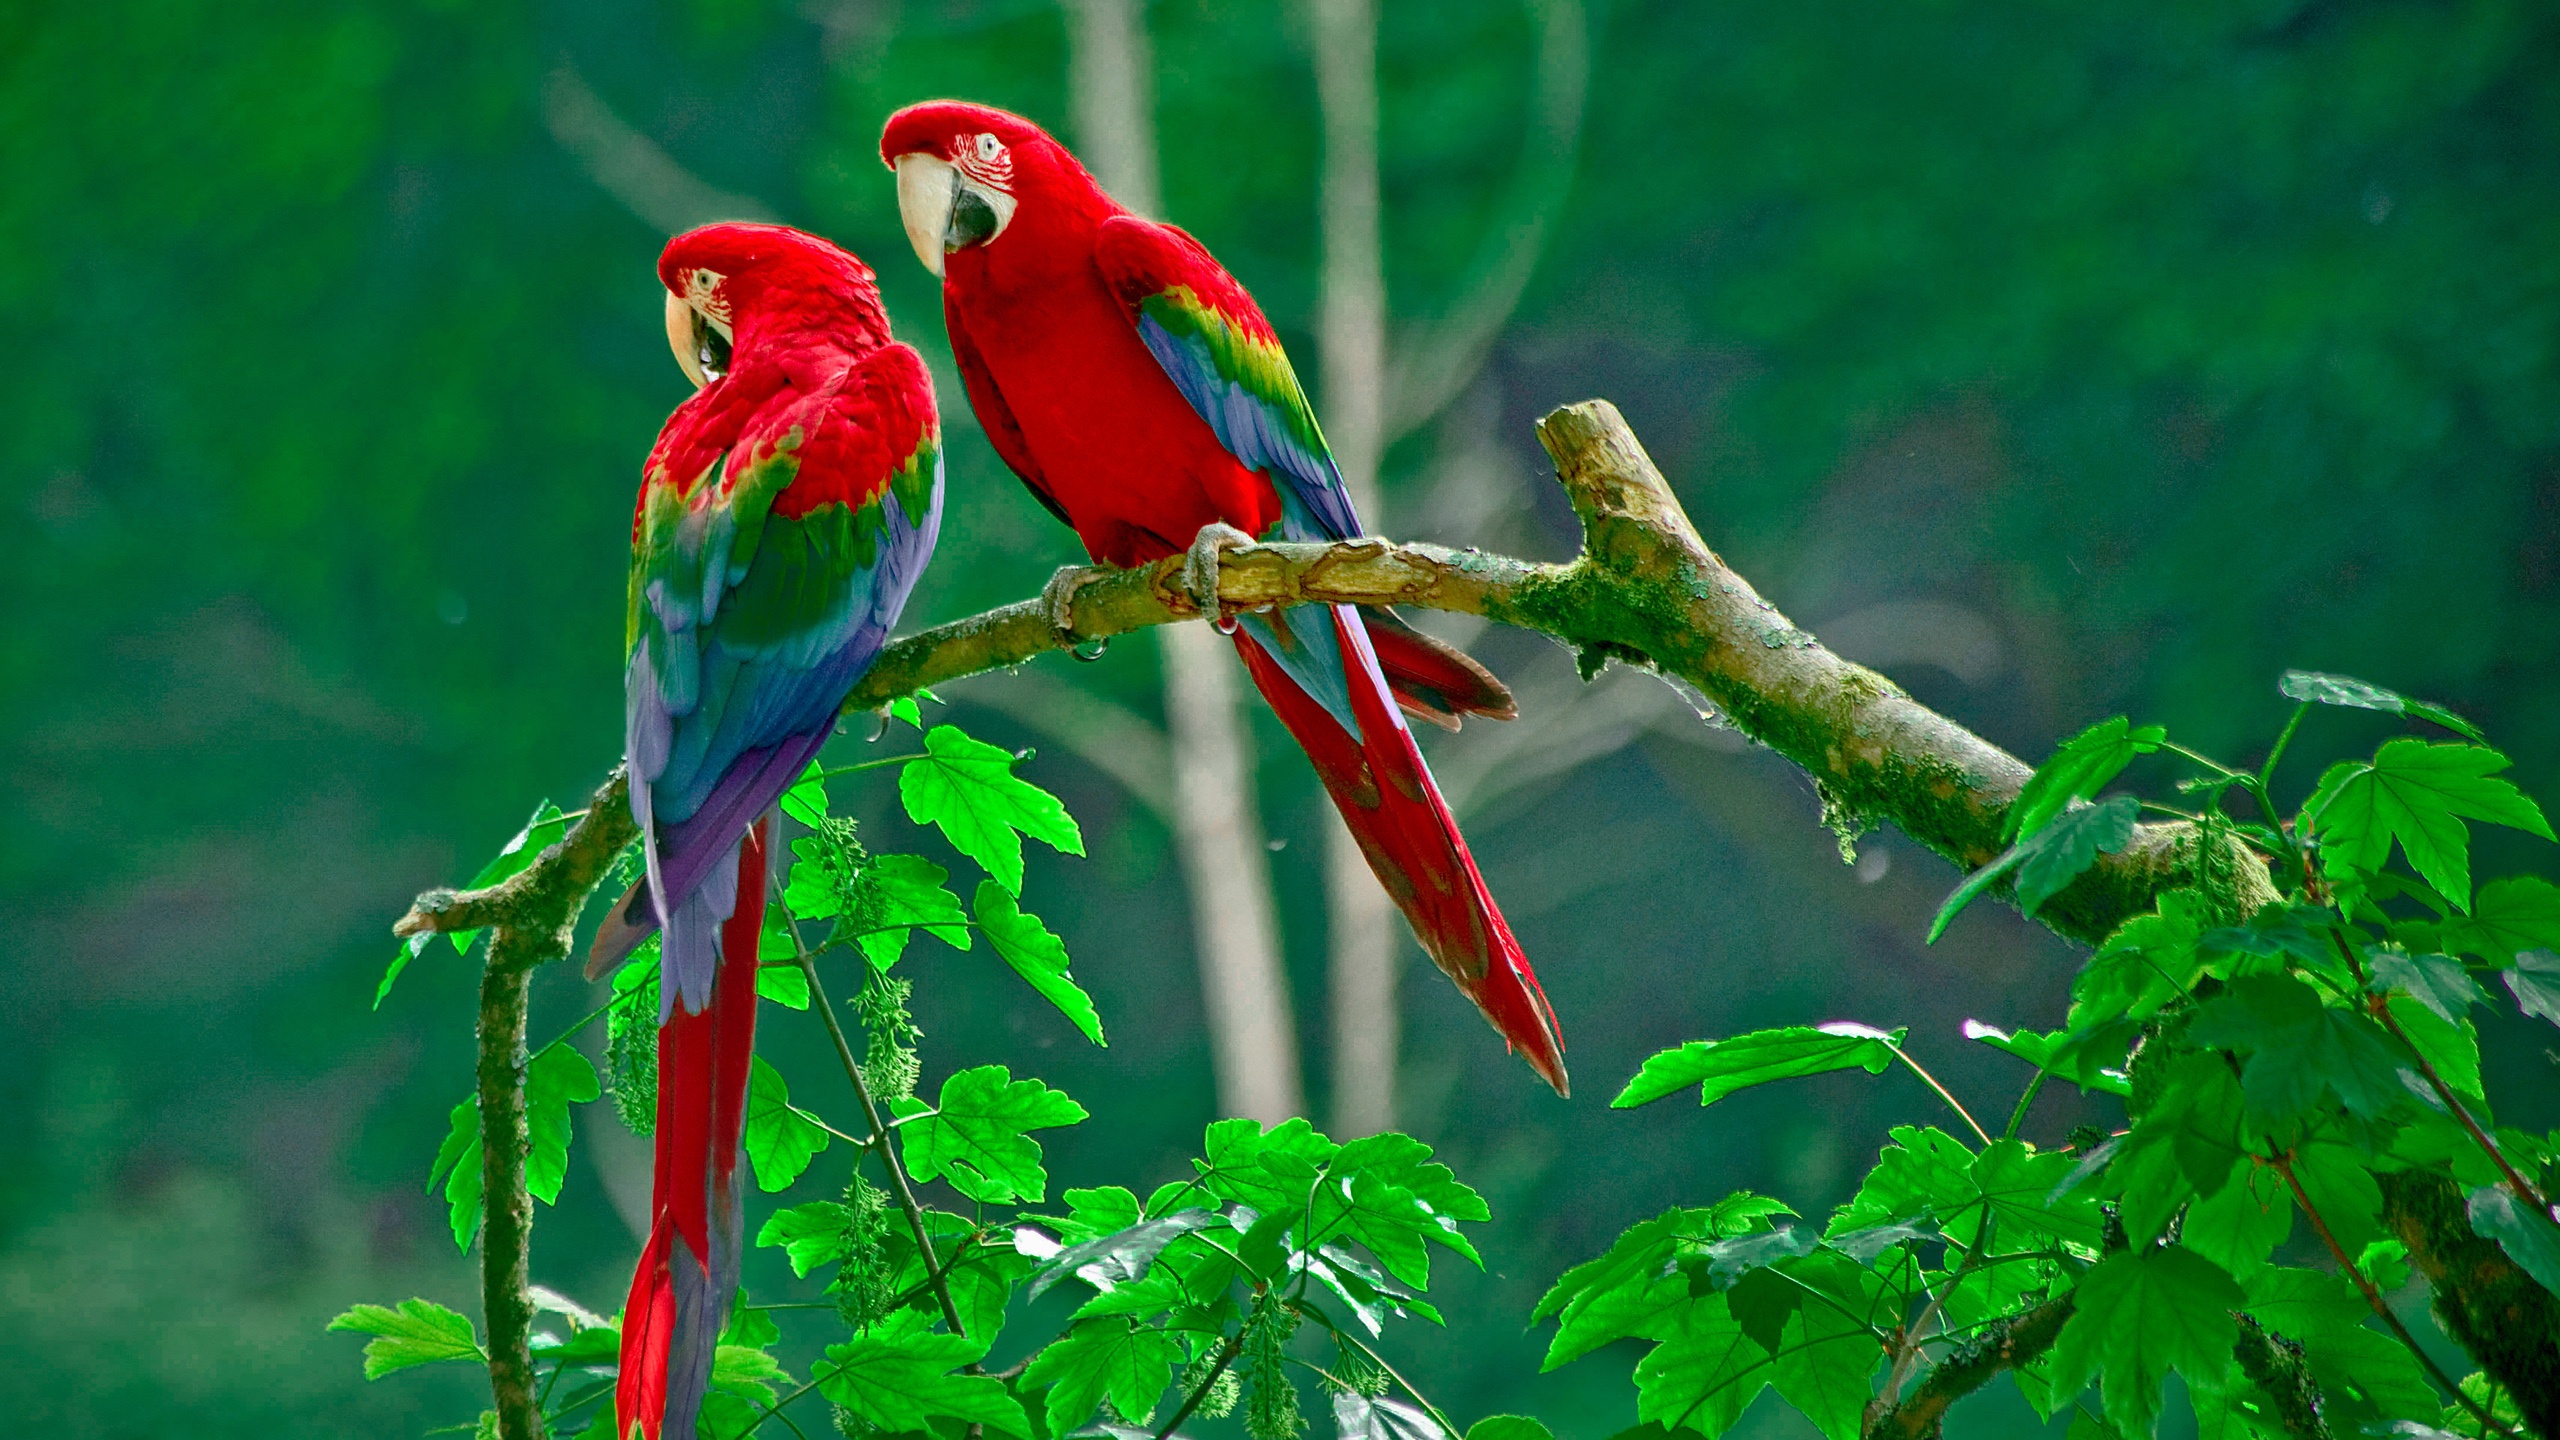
point(972, 219)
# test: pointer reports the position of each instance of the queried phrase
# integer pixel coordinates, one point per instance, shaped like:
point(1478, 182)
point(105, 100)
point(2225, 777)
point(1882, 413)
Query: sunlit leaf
point(968, 788)
point(1379, 1417)
point(1509, 1427)
point(1107, 1358)
point(811, 1235)
point(978, 1136)
point(1705, 1372)
point(539, 834)
point(907, 893)
point(2418, 795)
point(1721, 1067)
point(780, 1141)
point(900, 1381)
point(415, 1332)
point(806, 800)
point(2079, 769)
point(1036, 955)
point(785, 984)
point(554, 1079)
point(410, 949)
point(457, 1165)
point(1121, 1256)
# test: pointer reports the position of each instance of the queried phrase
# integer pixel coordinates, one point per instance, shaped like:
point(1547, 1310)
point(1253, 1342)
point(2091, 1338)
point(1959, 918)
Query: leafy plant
point(1196, 1301)
point(2279, 1057)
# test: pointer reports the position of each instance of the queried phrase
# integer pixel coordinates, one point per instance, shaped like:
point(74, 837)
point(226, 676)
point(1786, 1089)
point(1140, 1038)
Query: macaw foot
point(1200, 564)
point(1058, 600)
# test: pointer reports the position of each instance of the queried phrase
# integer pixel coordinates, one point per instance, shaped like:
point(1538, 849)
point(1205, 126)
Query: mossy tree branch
point(1646, 590)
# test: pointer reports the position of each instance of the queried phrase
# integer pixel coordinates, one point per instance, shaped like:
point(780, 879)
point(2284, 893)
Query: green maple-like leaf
point(2318, 689)
point(415, 1332)
point(2299, 1049)
point(909, 894)
point(2364, 1374)
point(1626, 1290)
point(1827, 1352)
point(457, 1165)
point(811, 1235)
point(2436, 981)
point(2079, 769)
point(978, 1134)
point(1036, 955)
point(2512, 915)
point(555, 1079)
point(2532, 1241)
point(900, 1381)
point(1705, 1372)
point(2418, 795)
point(1270, 1170)
point(1721, 1067)
point(784, 983)
point(806, 800)
point(780, 1141)
point(1107, 1358)
point(968, 788)
point(747, 1370)
point(2139, 1315)
point(2047, 859)
point(2535, 982)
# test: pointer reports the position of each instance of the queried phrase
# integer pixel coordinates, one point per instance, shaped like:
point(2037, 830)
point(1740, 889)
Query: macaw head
point(965, 171)
point(733, 288)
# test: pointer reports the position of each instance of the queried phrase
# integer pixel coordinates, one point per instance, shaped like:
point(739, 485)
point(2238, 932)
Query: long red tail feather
point(688, 1271)
point(1385, 793)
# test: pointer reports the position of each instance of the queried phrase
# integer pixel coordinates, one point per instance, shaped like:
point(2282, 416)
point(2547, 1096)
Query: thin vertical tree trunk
point(1253, 1037)
point(1362, 939)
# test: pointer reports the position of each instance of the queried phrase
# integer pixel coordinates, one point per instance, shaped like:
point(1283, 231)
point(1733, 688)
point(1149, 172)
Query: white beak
point(927, 185)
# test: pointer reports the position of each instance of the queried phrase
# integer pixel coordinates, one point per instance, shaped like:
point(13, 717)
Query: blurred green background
point(2059, 359)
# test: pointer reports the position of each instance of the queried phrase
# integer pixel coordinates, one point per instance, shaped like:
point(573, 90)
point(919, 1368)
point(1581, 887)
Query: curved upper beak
point(680, 318)
point(942, 211)
point(700, 342)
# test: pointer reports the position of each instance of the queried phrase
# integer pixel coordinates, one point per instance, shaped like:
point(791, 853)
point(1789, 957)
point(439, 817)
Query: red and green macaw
point(784, 516)
point(1141, 395)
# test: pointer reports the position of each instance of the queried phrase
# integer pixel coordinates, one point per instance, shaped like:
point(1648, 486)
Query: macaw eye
point(989, 147)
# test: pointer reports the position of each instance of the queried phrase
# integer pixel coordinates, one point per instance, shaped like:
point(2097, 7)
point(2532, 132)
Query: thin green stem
point(1943, 1092)
point(2018, 1116)
point(1226, 1357)
point(2283, 1165)
point(821, 1123)
point(2267, 771)
point(888, 1154)
point(775, 1409)
point(2207, 761)
point(1340, 1334)
point(881, 764)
